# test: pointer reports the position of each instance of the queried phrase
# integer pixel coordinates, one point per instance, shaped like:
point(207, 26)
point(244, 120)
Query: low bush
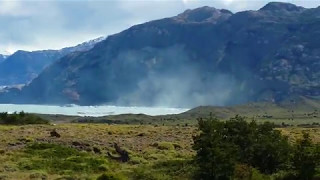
point(306, 158)
point(21, 119)
point(236, 149)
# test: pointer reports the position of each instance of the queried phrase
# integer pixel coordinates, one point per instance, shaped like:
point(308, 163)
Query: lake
point(94, 111)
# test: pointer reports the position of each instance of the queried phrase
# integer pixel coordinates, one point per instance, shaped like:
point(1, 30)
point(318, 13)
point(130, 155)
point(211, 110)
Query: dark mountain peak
point(203, 14)
point(19, 52)
point(281, 6)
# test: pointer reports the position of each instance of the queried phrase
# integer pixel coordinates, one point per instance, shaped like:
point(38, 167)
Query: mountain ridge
point(195, 58)
point(23, 66)
point(281, 6)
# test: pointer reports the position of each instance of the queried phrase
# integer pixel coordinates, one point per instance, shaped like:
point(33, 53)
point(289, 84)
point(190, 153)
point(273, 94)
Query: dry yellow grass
point(295, 133)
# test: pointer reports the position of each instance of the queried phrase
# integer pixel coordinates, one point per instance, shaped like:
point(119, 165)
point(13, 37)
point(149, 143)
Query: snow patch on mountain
point(85, 46)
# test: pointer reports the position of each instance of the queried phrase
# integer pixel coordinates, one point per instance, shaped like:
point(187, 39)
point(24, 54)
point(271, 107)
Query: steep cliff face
point(200, 57)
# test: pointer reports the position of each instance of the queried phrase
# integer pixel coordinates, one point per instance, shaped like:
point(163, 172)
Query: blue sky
point(48, 24)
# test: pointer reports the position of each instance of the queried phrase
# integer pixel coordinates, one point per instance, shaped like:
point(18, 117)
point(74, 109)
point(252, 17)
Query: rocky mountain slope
point(23, 66)
point(204, 56)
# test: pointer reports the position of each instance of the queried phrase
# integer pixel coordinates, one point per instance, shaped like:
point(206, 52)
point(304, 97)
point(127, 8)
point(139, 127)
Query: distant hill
point(204, 56)
point(299, 107)
point(293, 111)
point(23, 66)
point(302, 111)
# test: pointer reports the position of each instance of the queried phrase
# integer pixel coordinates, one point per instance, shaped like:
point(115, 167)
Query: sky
point(54, 24)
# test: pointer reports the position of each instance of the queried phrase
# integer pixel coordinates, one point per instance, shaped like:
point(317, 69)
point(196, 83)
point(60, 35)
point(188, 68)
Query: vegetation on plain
point(234, 149)
point(21, 118)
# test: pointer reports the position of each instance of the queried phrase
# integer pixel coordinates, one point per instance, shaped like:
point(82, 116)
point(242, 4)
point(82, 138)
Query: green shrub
point(221, 145)
point(21, 119)
point(306, 158)
point(215, 157)
point(284, 175)
point(269, 150)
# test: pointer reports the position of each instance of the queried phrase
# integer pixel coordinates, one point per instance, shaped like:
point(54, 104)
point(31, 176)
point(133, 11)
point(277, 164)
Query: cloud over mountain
point(38, 25)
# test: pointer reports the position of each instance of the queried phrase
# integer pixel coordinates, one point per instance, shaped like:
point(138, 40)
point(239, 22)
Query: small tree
point(270, 150)
point(305, 158)
point(222, 145)
point(240, 133)
point(215, 156)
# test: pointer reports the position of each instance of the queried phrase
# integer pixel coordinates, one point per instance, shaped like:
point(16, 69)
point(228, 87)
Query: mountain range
point(204, 56)
point(23, 66)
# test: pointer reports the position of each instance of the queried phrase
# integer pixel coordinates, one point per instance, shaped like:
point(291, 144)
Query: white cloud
point(12, 8)
point(32, 25)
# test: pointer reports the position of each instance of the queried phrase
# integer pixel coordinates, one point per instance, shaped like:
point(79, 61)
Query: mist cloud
point(170, 78)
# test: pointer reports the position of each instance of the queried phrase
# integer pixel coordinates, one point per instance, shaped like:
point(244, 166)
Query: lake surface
point(94, 111)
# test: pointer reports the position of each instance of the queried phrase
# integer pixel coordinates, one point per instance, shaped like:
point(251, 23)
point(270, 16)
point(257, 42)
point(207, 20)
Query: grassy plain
point(25, 156)
point(156, 152)
point(160, 147)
